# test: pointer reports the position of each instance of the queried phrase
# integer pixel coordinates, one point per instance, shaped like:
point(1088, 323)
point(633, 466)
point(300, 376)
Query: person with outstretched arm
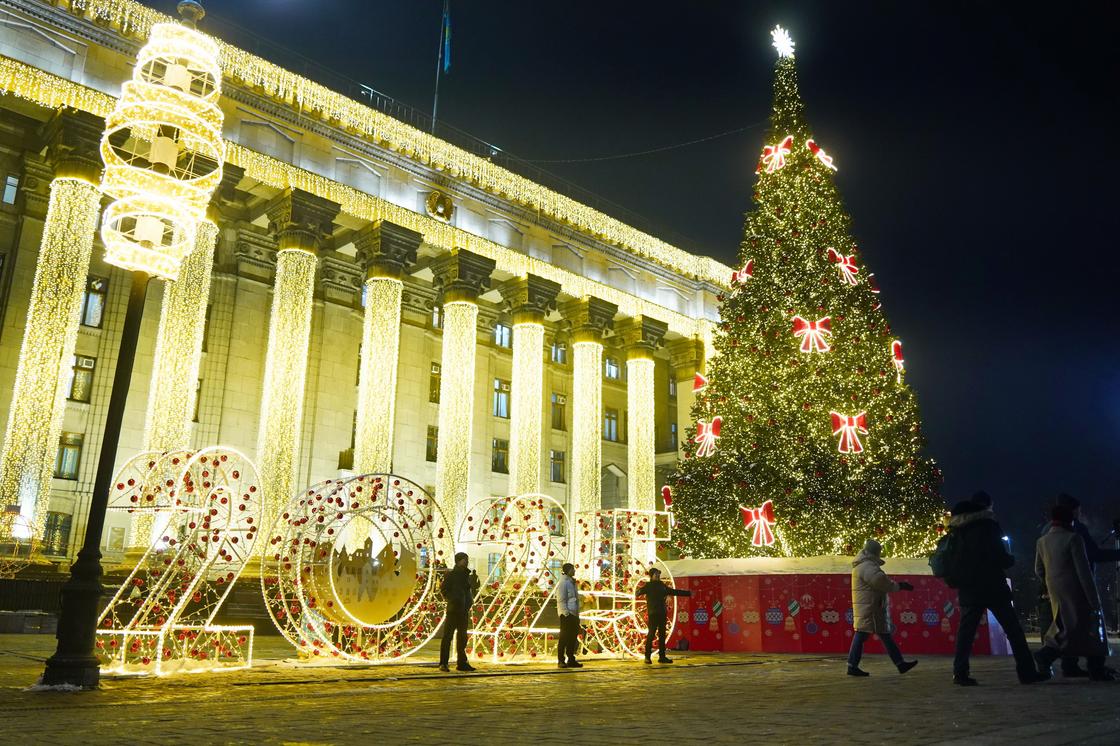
point(656, 592)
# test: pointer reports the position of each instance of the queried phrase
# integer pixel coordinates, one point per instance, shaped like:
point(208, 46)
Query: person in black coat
point(1096, 553)
point(982, 561)
point(458, 588)
point(656, 614)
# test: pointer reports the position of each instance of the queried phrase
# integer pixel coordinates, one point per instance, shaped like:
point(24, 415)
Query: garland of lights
point(587, 426)
point(285, 371)
point(38, 399)
point(134, 19)
point(381, 342)
point(456, 408)
point(178, 351)
point(640, 434)
point(525, 410)
point(49, 90)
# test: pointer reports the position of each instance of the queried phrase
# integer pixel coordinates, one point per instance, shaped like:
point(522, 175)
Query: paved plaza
point(703, 698)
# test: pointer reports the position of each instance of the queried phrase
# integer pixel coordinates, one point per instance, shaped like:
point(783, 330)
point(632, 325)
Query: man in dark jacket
point(656, 615)
point(458, 588)
point(982, 560)
point(1096, 553)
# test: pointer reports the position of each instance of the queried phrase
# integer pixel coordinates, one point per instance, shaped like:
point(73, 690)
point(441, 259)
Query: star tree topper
point(782, 41)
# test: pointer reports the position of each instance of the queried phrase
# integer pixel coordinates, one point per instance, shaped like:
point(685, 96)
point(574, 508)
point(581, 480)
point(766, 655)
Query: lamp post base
point(74, 662)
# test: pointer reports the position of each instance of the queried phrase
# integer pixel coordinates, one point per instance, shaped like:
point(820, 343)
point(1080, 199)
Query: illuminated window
point(672, 386)
point(93, 301)
point(81, 378)
point(11, 189)
point(116, 539)
point(494, 565)
point(503, 335)
point(499, 458)
point(437, 317)
point(556, 466)
point(559, 353)
point(559, 407)
point(501, 398)
point(432, 447)
point(433, 384)
point(56, 533)
point(673, 436)
point(554, 566)
point(69, 456)
point(556, 522)
point(610, 425)
point(611, 369)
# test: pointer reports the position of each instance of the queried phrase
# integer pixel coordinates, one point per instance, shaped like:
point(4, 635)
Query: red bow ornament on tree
point(742, 275)
point(846, 265)
point(761, 519)
point(849, 429)
point(699, 382)
point(667, 496)
point(774, 156)
point(706, 436)
point(812, 333)
point(822, 156)
point(896, 358)
point(874, 285)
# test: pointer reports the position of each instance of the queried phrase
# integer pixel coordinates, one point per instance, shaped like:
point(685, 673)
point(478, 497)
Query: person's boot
point(648, 661)
point(906, 666)
point(857, 671)
point(573, 663)
point(965, 680)
point(1071, 670)
point(1045, 666)
point(465, 667)
point(664, 659)
point(561, 664)
point(445, 668)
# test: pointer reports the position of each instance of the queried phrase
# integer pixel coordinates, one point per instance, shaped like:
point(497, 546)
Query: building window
point(437, 317)
point(554, 566)
point(433, 383)
point(431, 449)
point(81, 378)
point(11, 189)
point(673, 436)
point(198, 400)
point(56, 533)
point(559, 353)
point(559, 405)
point(206, 327)
point(501, 398)
point(69, 456)
point(672, 386)
point(611, 369)
point(556, 466)
point(556, 522)
point(610, 425)
point(499, 459)
point(494, 565)
point(93, 301)
point(503, 335)
point(116, 539)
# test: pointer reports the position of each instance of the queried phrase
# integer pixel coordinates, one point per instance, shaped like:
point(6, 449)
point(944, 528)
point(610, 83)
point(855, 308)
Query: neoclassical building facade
point(365, 298)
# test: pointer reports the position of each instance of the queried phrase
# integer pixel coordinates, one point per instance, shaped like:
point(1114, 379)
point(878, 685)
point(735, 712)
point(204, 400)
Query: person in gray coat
point(567, 604)
point(870, 586)
point(1077, 629)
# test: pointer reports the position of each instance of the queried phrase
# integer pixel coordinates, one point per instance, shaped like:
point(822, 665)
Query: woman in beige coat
point(870, 586)
point(1062, 563)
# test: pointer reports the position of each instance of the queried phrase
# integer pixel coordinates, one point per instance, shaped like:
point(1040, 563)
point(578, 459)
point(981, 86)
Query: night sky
point(976, 155)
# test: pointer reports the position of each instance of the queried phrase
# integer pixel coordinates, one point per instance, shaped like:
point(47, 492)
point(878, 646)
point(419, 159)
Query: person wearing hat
point(567, 604)
point(657, 618)
point(1095, 553)
point(1077, 629)
point(870, 586)
point(983, 561)
point(458, 588)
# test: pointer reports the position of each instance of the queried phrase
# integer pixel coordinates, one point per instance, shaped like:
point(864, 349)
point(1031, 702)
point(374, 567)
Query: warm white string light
point(525, 410)
point(640, 434)
point(377, 381)
point(456, 409)
point(587, 427)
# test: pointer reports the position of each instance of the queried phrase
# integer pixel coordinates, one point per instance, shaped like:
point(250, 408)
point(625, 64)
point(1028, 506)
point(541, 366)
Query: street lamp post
point(163, 155)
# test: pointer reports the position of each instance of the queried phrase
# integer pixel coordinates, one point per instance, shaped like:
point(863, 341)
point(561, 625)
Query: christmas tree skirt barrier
point(804, 605)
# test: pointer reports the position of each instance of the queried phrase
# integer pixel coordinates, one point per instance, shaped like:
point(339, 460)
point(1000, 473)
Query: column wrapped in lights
point(460, 277)
point(300, 220)
point(530, 299)
point(384, 250)
point(38, 399)
point(590, 318)
point(641, 336)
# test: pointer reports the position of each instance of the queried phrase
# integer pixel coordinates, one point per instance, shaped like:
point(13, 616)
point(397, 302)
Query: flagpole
point(439, 59)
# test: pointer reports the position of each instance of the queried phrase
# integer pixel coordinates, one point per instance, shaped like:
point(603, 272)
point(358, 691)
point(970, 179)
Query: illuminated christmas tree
point(807, 439)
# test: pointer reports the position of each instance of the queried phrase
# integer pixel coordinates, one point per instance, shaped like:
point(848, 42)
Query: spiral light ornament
point(163, 152)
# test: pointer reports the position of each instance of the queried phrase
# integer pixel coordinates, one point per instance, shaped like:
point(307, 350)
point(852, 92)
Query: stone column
point(384, 251)
point(686, 356)
point(460, 278)
point(300, 221)
point(38, 399)
point(530, 299)
point(590, 318)
point(641, 337)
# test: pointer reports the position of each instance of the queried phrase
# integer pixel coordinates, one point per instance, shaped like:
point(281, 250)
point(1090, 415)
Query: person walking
point(870, 586)
point(1077, 629)
point(657, 617)
point(1095, 553)
point(458, 588)
point(567, 604)
point(981, 563)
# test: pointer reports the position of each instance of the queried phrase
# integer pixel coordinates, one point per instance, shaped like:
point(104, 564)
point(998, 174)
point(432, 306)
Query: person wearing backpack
point(870, 586)
point(978, 569)
point(458, 587)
